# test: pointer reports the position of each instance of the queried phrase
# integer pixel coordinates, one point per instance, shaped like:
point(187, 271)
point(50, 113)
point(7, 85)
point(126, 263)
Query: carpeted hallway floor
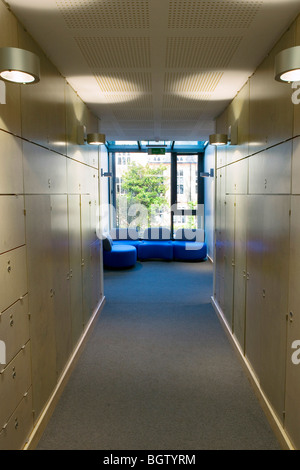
point(158, 372)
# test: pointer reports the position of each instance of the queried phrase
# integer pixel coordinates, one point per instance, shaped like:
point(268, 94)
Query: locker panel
point(40, 283)
point(296, 166)
point(229, 257)
point(75, 266)
point(86, 241)
point(15, 434)
point(254, 289)
point(270, 171)
point(11, 169)
point(257, 173)
point(278, 169)
point(61, 284)
point(14, 327)
point(77, 177)
point(237, 177)
point(13, 277)
point(44, 171)
point(12, 229)
point(275, 298)
point(240, 260)
point(219, 266)
point(96, 293)
point(15, 380)
point(292, 403)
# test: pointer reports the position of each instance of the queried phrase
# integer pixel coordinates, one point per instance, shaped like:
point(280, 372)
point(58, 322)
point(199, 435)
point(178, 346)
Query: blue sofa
point(156, 244)
point(122, 247)
point(189, 244)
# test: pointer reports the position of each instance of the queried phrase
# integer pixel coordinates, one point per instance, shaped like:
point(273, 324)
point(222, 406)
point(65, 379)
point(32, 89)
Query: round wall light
point(19, 66)
point(218, 139)
point(287, 65)
point(95, 139)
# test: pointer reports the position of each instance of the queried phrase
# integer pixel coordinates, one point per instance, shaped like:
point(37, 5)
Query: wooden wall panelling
point(219, 271)
point(14, 327)
point(15, 381)
point(270, 170)
point(254, 289)
point(275, 271)
point(229, 258)
point(13, 277)
point(292, 403)
point(78, 115)
point(86, 224)
point(45, 172)
point(237, 177)
point(43, 105)
point(271, 108)
point(75, 266)
point(19, 426)
point(41, 307)
point(240, 276)
point(61, 277)
point(238, 120)
point(296, 166)
point(12, 231)
point(11, 164)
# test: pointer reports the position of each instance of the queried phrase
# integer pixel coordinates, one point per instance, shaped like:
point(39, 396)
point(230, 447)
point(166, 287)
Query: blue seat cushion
point(120, 256)
point(155, 250)
point(189, 250)
point(127, 242)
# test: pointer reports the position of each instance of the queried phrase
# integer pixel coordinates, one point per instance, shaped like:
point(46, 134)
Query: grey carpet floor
point(158, 372)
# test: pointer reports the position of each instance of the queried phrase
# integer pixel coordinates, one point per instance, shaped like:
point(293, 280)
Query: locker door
point(292, 404)
point(61, 284)
point(219, 238)
point(86, 241)
point(240, 243)
point(229, 258)
point(255, 249)
point(275, 298)
point(75, 266)
point(40, 289)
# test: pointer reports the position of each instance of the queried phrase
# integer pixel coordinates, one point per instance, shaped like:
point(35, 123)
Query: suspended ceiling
point(156, 69)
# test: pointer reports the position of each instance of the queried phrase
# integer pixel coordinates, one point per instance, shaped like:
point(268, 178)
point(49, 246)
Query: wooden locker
point(41, 292)
point(240, 260)
point(254, 277)
point(229, 258)
point(275, 298)
point(61, 278)
point(292, 402)
point(75, 266)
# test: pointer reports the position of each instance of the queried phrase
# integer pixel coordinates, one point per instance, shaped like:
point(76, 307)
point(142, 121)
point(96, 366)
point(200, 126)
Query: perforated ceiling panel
point(115, 52)
point(112, 14)
point(156, 69)
point(201, 52)
point(212, 14)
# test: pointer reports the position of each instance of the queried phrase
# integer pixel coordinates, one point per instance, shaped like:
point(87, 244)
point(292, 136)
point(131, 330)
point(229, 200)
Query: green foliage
point(145, 185)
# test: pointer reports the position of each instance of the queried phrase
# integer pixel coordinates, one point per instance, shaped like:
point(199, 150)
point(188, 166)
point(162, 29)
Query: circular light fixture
point(19, 66)
point(95, 139)
point(287, 65)
point(218, 139)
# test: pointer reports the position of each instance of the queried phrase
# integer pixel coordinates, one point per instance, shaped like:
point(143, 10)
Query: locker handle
point(291, 317)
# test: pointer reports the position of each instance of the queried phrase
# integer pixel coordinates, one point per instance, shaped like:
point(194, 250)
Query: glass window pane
point(187, 184)
point(143, 193)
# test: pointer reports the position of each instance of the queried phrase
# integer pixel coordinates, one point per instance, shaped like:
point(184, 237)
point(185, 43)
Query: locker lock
point(291, 317)
point(8, 267)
